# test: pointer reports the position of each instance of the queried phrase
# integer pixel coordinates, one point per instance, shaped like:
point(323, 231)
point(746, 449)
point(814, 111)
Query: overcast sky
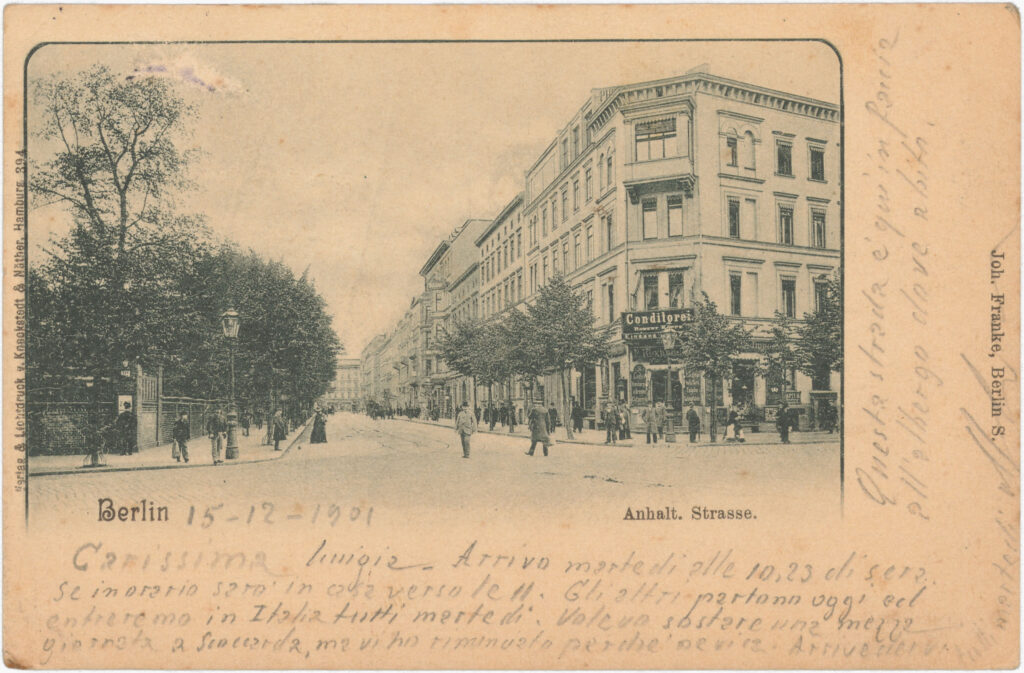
point(356, 160)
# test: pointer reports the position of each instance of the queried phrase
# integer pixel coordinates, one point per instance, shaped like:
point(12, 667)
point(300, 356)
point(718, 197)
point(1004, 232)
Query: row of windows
point(559, 204)
point(743, 294)
point(509, 293)
point(741, 222)
point(653, 285)
point(504, 255)
point(564, 259)
point(784, 160)
point(673, 213)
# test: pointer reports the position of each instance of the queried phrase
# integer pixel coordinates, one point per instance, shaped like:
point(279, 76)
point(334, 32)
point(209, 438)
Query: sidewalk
point(250, 450)
point(597, 437)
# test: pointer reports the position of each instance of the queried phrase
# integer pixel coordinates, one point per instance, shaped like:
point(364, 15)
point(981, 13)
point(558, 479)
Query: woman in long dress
point(319, 433)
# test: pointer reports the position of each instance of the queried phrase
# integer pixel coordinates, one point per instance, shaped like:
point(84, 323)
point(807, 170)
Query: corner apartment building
point(655, 192)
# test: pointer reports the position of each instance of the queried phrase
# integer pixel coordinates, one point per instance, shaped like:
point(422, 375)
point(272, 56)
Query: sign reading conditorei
point(648, 325)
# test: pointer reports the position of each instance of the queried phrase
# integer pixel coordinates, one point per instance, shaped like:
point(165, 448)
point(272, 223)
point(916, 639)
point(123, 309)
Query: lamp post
point(668, 339)
point(229, 323)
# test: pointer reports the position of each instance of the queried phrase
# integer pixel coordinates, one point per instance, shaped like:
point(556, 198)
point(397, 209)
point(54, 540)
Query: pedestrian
point(577, 416)
point(465, 425)
point(538, 421)
point(650, 422)
point(492, 416)
point(553, 418)
point(659, 418)
point(503, 415)
point(511, 418)
point(180, 434)
point(244, 421)
point(477, 413)
point(280, 429)
point(259, 420)
point(782, 423)
point(319, 433)
point(216, 426)
point(611, 423)
point(732, 424)
point(693, 421)
point(624, 421)
point(125, 426)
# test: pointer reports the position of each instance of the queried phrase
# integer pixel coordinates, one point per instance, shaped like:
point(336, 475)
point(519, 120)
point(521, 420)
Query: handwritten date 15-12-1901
point(269, 513)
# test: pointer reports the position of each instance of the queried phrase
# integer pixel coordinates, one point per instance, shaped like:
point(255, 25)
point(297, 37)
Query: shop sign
point(638, 382)
point(648, 325)
point(691, 389)
point(655, 354)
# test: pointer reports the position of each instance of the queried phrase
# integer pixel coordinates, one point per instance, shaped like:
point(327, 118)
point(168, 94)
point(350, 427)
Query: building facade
point(657, 192)
point(652, 195)
point(345, 392)
point(445, 290)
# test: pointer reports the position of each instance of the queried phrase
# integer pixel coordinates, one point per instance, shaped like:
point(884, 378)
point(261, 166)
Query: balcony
point(659, 175)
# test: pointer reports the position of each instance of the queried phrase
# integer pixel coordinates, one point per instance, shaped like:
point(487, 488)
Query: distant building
point(345, 391)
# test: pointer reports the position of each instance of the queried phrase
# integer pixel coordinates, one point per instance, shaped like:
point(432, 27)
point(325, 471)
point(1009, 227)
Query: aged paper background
point(918, 567)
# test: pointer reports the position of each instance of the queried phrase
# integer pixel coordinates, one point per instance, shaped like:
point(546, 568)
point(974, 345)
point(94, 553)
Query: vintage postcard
point(511, 337)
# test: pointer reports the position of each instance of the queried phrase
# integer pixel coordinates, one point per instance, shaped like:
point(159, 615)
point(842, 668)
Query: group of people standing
point(616, 422)
point(216, 430)
point(503, 414)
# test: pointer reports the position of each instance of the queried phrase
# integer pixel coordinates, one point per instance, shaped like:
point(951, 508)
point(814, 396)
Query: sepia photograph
point(633, 274)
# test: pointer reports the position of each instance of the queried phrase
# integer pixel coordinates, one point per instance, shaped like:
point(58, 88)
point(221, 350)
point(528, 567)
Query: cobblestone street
point(417, 469)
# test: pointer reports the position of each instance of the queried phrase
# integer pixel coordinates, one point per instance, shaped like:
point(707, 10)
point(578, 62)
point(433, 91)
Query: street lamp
point(229, 323)
point(668, 339)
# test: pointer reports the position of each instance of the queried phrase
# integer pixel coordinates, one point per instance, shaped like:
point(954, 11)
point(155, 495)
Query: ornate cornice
point(685, 87)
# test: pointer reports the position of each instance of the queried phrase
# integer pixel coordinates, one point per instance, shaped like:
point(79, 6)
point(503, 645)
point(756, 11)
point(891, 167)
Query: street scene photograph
point(438, 277)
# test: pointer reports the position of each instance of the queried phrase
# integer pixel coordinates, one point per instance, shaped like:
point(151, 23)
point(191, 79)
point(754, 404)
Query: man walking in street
point(552, 418)
point(216, 426)
point(649, 420)
point(180, 434)
point(577, 417)
point(465, 425)
point(538, 420)
point(511, 418)
point(693, 421)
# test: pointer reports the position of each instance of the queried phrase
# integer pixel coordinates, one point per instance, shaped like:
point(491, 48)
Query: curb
point(175, 466)
point(624, 442)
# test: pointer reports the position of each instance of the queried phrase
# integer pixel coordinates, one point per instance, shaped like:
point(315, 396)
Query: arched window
point(600, 171)
point(609, 170)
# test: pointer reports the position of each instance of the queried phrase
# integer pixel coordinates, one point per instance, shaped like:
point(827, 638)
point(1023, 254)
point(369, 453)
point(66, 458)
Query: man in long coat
point(782, 423)
point(465, 425)
point(126, 425)
point(693, 421)
point(538, 420)
point(652, 424)
point(216, 427)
